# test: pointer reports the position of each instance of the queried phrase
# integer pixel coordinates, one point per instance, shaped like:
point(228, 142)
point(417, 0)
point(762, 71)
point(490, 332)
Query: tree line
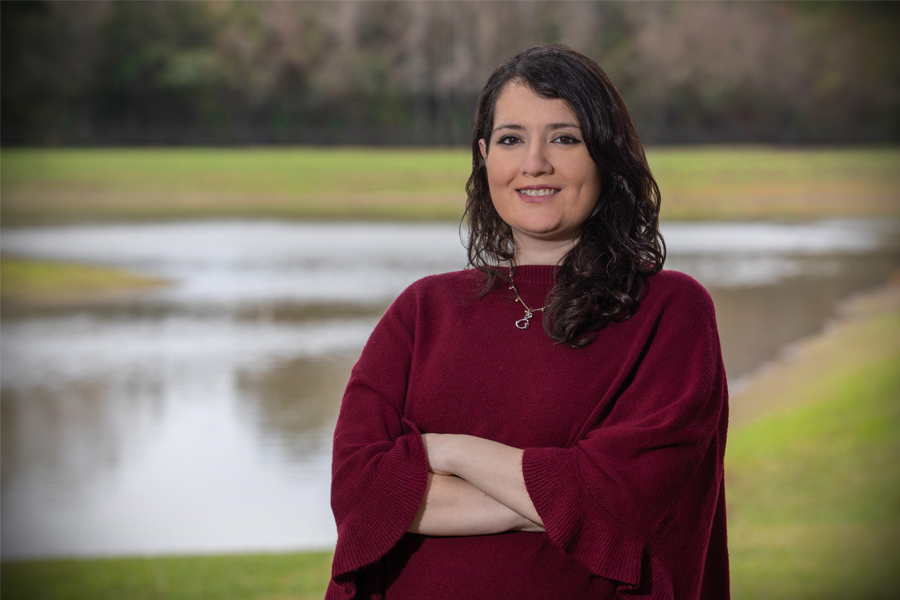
point(385, 72)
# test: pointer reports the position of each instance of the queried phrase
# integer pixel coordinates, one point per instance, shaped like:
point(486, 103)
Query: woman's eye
point(508, 140)
point(567, 140)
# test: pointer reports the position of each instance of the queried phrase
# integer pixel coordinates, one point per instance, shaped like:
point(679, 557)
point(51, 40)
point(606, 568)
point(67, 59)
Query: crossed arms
point(475, 487)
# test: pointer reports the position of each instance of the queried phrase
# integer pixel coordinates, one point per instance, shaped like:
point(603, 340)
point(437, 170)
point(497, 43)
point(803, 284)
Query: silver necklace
point(525, 321)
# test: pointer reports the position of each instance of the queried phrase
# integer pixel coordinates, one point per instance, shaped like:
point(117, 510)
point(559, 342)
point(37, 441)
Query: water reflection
point(754, 322)
point(291, 401)
point(63, 436)
point(169, 433)
point(199, 417)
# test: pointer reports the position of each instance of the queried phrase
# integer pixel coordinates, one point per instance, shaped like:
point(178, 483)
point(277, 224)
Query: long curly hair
point(603, 277)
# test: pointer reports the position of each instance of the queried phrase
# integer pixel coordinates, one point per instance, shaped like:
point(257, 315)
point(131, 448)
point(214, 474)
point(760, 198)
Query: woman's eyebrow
point(563, 126)
point(549, 126)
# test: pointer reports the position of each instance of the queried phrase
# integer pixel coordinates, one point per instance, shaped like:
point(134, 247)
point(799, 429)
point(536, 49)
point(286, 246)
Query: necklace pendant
point(525, 321)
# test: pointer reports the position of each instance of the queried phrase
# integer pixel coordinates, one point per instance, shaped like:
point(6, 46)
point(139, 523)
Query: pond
point(198, 417)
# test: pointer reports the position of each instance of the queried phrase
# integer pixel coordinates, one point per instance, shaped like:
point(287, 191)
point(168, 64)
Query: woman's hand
point(492, 467)
point(454, 507)
point(438, 447)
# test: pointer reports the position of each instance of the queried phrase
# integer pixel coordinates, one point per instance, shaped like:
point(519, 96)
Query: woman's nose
point(536, 161)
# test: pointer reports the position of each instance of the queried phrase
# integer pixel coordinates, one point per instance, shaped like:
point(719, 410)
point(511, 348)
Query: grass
point(64, 185)
point(299, 576)
point(765, 183)
point(812, 475)
point(32, 281)
point(103, 184)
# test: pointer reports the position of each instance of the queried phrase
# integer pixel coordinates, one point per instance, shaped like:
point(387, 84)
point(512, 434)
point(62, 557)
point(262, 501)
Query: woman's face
point(543, 182)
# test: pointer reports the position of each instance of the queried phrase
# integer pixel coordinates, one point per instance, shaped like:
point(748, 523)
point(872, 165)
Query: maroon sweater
point(624, 442)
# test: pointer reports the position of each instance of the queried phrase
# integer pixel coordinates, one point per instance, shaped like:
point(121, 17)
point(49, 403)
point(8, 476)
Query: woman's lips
point(537, 193)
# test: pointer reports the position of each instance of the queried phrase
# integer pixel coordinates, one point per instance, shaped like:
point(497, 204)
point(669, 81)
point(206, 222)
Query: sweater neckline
point(535, 274)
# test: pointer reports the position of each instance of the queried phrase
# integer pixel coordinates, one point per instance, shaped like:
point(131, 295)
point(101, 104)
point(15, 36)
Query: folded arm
point(490, 469)
point(454, 507)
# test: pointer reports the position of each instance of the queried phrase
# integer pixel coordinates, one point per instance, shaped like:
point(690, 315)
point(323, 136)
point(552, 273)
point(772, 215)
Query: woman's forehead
point(518, 106)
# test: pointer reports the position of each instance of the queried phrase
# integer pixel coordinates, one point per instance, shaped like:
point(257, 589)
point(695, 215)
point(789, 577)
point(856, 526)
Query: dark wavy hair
point(603, 277)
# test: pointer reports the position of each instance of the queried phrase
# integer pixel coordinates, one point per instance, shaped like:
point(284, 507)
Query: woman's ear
point(483, 146)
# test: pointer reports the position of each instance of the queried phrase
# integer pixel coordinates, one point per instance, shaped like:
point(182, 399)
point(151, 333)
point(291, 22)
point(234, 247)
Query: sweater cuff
point(575, 521)
point(388, 506)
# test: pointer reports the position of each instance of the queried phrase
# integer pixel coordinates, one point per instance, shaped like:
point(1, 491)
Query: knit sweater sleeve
point(379, 466)
point(605, 498)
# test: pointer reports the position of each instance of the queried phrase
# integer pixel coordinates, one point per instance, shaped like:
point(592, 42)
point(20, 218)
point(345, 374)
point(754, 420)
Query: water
point(198, 417)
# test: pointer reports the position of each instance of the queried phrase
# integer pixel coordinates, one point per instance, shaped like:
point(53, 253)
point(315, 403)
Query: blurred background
point(206, 207)
point(148, 73)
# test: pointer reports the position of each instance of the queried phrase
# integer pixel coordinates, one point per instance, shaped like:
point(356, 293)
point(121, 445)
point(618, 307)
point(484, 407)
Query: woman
point(478, 455)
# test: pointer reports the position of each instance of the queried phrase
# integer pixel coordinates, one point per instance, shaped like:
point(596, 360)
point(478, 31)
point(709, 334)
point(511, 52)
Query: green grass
point(96, 184)
point(759, 182)
point(60, 185)
point(27, 281)
point(814, 486)
point(297, 171)
point(299, 576)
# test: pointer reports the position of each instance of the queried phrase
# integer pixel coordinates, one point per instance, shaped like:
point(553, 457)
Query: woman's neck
point(543, 252)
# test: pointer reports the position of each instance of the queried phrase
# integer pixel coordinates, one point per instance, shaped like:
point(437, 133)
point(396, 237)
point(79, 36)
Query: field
point(65, 185)
point(812, 476)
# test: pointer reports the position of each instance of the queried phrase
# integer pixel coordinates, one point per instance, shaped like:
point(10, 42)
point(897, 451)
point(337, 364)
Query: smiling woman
point(542, 179)
point(475, 457)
